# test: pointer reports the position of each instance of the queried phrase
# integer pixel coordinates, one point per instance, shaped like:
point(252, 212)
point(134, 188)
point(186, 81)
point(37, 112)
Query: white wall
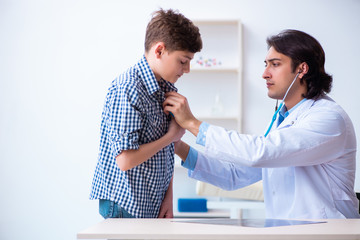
point(57, 59)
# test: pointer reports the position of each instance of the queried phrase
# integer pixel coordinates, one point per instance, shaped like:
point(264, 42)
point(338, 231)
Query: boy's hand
point(166, 210)
point(176, 132)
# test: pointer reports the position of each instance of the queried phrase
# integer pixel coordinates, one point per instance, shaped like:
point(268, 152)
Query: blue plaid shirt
point(133, 115)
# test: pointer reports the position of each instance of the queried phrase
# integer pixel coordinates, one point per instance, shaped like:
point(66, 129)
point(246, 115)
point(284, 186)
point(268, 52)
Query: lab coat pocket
point(338, 194)
point(284, 125)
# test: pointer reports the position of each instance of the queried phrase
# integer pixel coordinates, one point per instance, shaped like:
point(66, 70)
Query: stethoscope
point(280, 106)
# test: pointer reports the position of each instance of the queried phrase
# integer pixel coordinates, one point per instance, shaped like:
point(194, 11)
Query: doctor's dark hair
point(301, 47)
point(176, 31)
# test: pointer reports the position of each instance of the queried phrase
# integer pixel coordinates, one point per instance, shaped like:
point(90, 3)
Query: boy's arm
point(166, 209)
point(128, 159)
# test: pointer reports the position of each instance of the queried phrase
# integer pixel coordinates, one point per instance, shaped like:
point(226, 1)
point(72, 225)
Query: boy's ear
point(159, 49)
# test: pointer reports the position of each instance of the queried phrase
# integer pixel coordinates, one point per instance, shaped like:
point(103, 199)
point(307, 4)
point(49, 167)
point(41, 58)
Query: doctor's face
point(278, 74)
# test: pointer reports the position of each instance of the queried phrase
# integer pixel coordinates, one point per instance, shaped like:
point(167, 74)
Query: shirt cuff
point(201, 137)
point(191, 159)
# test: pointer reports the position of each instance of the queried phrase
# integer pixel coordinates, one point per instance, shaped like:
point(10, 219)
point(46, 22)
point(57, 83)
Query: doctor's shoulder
point(327, 103)
point(325, 114)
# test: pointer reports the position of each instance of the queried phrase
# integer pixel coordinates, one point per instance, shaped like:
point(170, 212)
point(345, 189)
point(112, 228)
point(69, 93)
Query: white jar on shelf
point(218, 107)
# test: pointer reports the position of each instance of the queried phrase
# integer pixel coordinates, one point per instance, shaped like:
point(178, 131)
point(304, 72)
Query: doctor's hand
point(179, 107)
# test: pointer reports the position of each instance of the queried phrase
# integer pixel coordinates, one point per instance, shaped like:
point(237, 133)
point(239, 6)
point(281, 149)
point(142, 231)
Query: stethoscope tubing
point(280, 106)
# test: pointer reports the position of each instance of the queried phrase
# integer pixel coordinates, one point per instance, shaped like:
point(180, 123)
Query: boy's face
point(173, 65)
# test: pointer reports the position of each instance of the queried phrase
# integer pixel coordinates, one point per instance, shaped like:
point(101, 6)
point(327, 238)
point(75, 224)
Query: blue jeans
point(110, 209)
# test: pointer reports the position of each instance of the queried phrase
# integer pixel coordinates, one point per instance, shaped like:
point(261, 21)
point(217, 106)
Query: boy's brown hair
point(176, 31)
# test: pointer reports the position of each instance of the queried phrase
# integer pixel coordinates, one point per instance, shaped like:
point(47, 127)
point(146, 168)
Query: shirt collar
point(284, 112)
point(167, 86)
point(150, 82)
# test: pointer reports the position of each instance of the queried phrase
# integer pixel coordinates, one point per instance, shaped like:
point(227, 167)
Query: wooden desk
point(168, 229)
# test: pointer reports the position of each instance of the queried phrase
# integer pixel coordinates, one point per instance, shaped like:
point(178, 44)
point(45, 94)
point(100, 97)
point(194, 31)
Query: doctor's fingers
point(176, 97)
point(172, 93)
point(175, 100)
point(176, 107)
point(171, 101)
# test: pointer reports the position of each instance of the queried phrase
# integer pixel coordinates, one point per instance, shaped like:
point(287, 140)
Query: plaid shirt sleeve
point(124, 120)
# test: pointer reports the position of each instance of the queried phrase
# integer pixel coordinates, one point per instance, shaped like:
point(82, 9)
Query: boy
point(133, 177)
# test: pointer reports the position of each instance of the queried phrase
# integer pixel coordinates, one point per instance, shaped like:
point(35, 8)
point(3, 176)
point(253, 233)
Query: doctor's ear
point(303, 69)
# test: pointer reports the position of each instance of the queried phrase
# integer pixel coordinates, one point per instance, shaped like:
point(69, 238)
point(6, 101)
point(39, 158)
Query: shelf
point(214, 69)
point(216, 21)
point(235, 207)
point(219, 117)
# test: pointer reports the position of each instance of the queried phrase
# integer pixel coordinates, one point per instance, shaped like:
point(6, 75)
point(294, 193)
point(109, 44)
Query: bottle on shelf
point(218, 108)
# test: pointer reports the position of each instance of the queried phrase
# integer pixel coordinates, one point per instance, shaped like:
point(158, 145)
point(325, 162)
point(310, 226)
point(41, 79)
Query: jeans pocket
point(110, 209)
point(106, 208)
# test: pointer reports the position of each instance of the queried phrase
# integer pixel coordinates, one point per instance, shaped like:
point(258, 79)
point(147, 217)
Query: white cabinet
point(213, 87)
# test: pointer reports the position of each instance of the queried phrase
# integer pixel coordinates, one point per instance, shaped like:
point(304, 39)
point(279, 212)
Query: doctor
point(307, 157)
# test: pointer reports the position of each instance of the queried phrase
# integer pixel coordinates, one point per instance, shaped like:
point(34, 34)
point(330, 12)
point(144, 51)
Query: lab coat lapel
point(289, 121)
point(292, 118)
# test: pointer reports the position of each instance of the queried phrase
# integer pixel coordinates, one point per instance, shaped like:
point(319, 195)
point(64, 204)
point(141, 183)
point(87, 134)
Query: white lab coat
point(307, 163)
